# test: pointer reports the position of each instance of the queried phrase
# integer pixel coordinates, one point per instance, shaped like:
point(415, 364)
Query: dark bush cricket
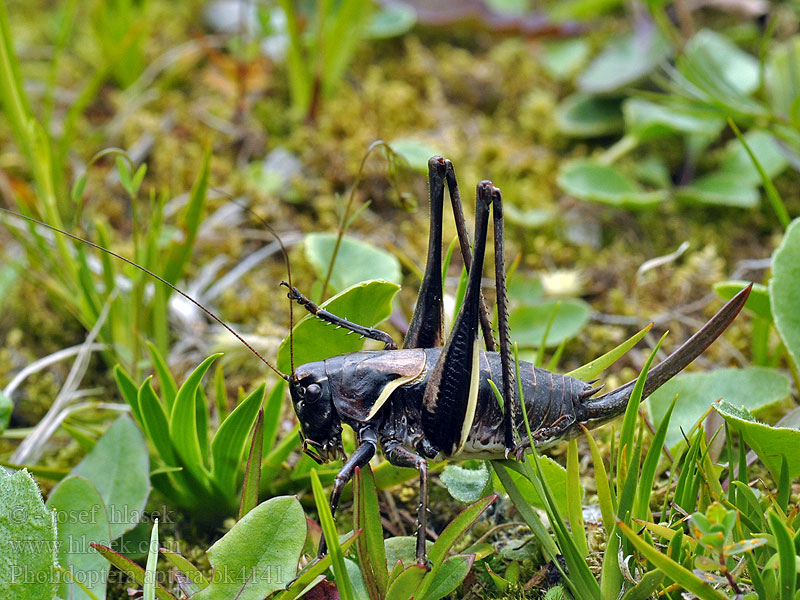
point(431, 399)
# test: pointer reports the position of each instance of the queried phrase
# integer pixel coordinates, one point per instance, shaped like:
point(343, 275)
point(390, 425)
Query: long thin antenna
point(158, 277)
point(285, 253)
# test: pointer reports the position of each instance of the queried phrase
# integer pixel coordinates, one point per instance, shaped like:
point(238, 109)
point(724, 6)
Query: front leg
point(400, 456)
point(359, 458)
point(328, 317)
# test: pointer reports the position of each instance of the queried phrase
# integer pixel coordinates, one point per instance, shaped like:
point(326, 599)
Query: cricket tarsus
point(154, 276)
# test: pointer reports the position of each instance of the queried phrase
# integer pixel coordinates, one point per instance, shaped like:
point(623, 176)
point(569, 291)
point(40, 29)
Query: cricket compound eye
point(313, 393)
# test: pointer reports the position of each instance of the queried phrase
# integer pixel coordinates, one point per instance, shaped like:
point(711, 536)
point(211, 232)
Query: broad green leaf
point(562, 58)
point(625, 60)
point(466, 485)
point(392, 20)
point(585, 116)
point(82, 519)
point(784, 290)
point(758, 301)
point(131, 569)
point(452, 572)
point(259, 555)
point(404, 585)
point(310, 574)
point(770, 443)
point(366, 303)
point(28, 531)
point(455, 530)
point(355, 574)
point(402, 548)
point(529, 323)
point(415, 152)
point(720, 188)
point(648, 120)
point(716, 53)
point(765, 148)
point(556, 477)
point(753, 388)
point(594, 182)
point(230, 441)
point(118, 467)
point(653, 171)
point(524, 289)
point(356, 261)
point(183, 422)
point(503, 469)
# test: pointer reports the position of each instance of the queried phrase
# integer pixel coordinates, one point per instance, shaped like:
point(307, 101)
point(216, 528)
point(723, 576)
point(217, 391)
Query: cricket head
point(321, 428)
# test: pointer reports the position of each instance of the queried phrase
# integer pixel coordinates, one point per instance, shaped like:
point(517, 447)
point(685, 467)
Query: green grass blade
point(129, 391)
point(183, 421)
point(604, 491)
point(629, 421)
point(369, 547)
point(648, 473)
point(273, 462)
point(190, 223)
point(230, 441)
point(530, 517)
point(272, 413)
point(150, 573)
point(193, 575)
point(646, 586)
point(311, 573)
point(772, 193)
point(543, 345)
point(220, 394)
point(252, 472)
point(575, 509)
point(787, 566)
point(329, 531)
point(678, 573)
point(455, 530)
point(592, 369)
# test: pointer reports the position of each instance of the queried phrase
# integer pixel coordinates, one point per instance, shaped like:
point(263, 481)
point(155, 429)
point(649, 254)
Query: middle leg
point(400, 456)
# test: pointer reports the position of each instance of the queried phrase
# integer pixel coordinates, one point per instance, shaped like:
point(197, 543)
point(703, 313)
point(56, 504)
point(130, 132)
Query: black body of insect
point(432, 399)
